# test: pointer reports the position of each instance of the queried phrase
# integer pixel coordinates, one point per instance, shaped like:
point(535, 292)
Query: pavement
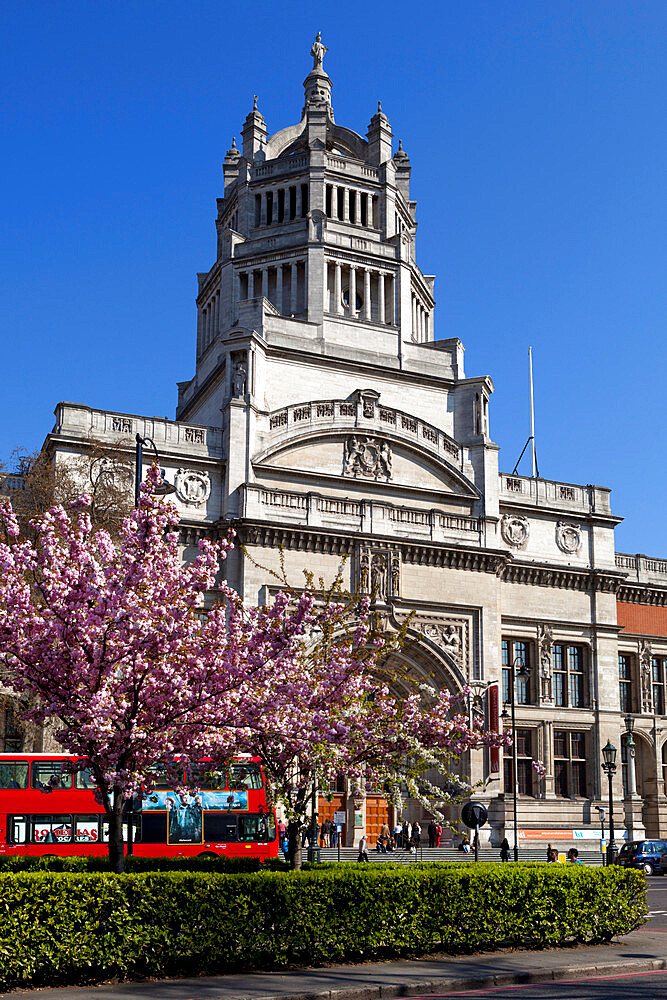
point(642, 952)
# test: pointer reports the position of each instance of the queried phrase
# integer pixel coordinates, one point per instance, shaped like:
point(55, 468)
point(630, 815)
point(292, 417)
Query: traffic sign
point(474, 814)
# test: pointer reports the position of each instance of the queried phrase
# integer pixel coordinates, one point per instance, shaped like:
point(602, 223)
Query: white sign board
point(340, 817)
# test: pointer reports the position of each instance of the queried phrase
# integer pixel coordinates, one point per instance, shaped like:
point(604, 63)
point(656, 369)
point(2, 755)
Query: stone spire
point(379, 137)
point(254, 133)
point(230, 167)
point(317, 84)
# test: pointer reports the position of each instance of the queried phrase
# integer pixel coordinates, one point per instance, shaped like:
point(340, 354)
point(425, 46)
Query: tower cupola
point(379, 137)
point(254, 133)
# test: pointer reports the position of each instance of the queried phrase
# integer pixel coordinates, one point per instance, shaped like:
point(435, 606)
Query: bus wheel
point(207, 854)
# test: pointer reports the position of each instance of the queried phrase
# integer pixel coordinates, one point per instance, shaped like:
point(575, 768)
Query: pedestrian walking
point(505, 850)
point(398, 833)
point(406, 833)
point(438, 834)
point(431, 834)
point(416, 834)
point(363, 849)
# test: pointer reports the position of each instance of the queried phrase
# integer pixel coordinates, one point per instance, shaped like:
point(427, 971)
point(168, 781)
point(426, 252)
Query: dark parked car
point(644, 854)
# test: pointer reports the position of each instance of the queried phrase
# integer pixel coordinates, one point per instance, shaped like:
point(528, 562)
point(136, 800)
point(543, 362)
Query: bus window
point(220, 827)
point(51, 774)
point(17, 830)
point(165, 777)
point(259, 828)
point(105, 830)
point(206, 777)
point(86, 829)
point(14, 774)
point(154, 828)
point(245, 776)
point(84, 779)
point(50, 829)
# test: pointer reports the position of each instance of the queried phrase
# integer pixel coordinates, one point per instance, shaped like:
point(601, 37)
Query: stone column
point(338, 291)
point(262, 210)
point(380, 298)
point(265, 282)
point(298, 201)
point(293, 288)
point(251, 284)
point(414, 317)
point(279, 288)
point(353, 290)
point(334, 201)
point(346, 204)
point(355, 214)
point(367, 295)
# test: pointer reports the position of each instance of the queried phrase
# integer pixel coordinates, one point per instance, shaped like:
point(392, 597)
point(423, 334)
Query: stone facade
point(324, 415)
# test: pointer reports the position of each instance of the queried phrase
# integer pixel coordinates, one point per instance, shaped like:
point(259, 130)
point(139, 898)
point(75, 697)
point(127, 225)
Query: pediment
point(364, 459)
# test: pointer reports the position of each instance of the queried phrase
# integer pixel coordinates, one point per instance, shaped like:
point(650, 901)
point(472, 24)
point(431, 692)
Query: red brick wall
point(646, 619)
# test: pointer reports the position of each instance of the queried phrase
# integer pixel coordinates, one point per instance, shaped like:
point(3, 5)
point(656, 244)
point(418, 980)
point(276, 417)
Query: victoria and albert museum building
point(328, 417)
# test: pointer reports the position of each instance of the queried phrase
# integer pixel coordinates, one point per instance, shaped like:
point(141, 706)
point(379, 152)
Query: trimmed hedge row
point(87, 863)
point(74, 927)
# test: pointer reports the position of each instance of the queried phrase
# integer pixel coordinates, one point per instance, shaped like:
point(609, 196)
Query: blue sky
point(537, 137)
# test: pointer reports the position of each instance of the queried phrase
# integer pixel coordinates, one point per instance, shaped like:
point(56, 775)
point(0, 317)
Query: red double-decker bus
point(48, 807)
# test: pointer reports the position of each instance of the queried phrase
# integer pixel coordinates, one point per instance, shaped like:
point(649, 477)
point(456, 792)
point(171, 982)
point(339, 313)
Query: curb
point(446, 986)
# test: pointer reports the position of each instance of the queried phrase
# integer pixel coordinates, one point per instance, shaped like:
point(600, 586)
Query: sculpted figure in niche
point(645, 657)
point(239, 379)
point(395, 576)
point(318, 51)
point(379, 577)
point(363, 574)
point(545, 643)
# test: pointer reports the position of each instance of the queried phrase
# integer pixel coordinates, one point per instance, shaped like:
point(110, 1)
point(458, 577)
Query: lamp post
point(517, 661)
point(162, 489)
point(609, 765)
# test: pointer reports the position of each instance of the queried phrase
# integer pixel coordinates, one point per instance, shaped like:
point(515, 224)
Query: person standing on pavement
point(398, 833)
point(438, 834)
point(416, 834)
point(431, 833)
point(505, 850)
point(405, 835)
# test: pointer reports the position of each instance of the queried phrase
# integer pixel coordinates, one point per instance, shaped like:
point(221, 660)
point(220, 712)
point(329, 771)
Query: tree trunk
point(294, 851)
point(116, 845)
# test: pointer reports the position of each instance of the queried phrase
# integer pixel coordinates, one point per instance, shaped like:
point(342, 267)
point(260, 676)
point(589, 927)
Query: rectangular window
point(245, 776)
point(14, 774)
point(17, 829)
point(363, 201)
point(221, 828)
point(206, 777)
point(517, 652)
point(258, 210)
point(292, 203)
point(50, 829)
point(50, 775)
point(328, 196)
point(135, 824)
point(625, 681)
point(87, 829)
point(13, 740)
point(568, 676)
point(84, 779)
point(570, 764)
point(304, 201)
point(525, 773)
point(658, 678)
point(281, 205)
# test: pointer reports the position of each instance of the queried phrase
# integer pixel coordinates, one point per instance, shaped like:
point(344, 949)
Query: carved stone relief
point(515, 529)
point(192, 488)
point(367, 456)
point(450, 635)
point(379, 573)
point(568, 537)
point(545, 639)
point(645, 670)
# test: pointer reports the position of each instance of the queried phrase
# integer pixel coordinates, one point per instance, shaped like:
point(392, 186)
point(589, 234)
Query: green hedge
point(75, 927)
point(14, 863)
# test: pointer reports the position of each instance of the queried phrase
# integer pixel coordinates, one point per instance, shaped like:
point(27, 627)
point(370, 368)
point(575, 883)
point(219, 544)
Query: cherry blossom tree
point(113, 645)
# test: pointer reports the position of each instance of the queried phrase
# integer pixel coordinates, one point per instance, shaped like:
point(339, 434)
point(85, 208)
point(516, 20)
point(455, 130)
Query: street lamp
point(609, 765)
point(517, 661)
point(163, 488)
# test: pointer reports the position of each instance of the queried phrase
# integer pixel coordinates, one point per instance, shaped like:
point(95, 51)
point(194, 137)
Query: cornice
point(562, 577)
point(637, 593)
point(549, 510)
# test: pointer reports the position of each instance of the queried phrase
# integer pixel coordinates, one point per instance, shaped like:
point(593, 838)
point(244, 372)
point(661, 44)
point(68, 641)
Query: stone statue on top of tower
point(318, 51)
